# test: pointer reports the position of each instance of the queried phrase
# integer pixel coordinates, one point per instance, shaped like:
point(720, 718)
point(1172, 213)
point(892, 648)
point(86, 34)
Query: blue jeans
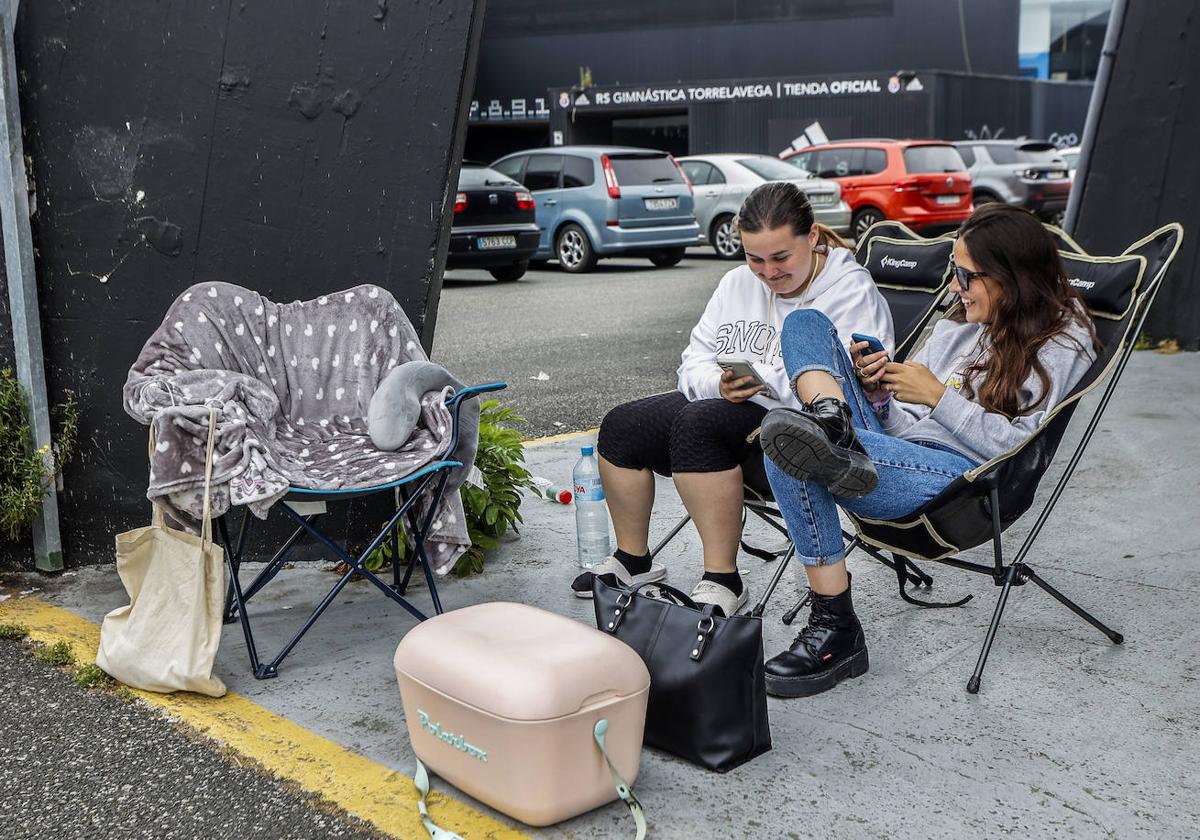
point(910, 473)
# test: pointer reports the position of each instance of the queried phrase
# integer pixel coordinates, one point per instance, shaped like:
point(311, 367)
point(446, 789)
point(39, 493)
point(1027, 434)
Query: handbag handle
point(674, 594)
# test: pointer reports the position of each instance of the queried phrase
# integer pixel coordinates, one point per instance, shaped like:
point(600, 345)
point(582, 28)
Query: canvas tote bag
point(166, 638)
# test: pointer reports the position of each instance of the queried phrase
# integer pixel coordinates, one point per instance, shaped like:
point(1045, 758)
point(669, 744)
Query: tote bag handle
point(156, 516)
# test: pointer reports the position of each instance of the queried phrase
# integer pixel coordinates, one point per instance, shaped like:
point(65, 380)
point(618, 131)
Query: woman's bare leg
point(630, 497)
point(714, 500)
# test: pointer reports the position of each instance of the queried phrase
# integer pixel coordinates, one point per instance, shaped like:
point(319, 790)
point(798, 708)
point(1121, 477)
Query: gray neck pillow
point(395, 411)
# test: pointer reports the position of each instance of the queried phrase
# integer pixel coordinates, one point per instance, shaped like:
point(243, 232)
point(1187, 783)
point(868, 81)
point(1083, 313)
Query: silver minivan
point(722, 182)
point(595, 201)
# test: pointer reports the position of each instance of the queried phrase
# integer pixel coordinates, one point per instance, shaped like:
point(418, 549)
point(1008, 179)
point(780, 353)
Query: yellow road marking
point(364, 788)
point(542, 441)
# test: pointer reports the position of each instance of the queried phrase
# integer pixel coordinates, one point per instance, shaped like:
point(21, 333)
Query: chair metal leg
point(678, 527)
point(790, 615)
point(1113, 636)
point(1009, 577)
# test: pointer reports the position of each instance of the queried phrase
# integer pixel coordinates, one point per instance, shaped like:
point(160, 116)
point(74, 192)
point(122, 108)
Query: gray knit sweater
point(963, 424)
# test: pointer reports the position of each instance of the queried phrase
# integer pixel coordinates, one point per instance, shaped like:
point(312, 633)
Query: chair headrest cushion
point(1106, 284)
point(909, 264)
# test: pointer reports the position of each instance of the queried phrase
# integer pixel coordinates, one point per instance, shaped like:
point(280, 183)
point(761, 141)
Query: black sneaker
point(819, 443)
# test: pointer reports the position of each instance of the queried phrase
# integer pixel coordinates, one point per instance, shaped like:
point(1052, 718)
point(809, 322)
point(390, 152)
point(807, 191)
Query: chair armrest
point(474, 390)
point(455, 404)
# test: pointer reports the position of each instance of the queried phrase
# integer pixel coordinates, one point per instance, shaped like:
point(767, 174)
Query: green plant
point(26, 474)
point(59, 653)
point(92, 676)
point(493, 509)
point(13, 632)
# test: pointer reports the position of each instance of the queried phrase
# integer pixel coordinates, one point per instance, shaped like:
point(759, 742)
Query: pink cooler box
point(501, 700)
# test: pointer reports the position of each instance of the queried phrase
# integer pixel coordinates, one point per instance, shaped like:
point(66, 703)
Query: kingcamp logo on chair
point(456, 741)
point(1082, 284)
point(892, 262)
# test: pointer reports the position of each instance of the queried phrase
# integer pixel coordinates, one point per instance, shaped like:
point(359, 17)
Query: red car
point(922, 183)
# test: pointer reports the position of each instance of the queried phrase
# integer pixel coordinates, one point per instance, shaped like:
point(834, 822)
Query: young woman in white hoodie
point(698, 434)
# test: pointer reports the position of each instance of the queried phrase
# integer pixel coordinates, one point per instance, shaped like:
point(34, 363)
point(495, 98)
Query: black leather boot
point(830, 649)
point(818, 443)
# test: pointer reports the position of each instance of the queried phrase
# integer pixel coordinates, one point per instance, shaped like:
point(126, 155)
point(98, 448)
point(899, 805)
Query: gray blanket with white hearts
point(293, 384)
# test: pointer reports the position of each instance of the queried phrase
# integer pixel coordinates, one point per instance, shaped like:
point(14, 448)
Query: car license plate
point(489, 243)
point(662, 203)
point(948, 199)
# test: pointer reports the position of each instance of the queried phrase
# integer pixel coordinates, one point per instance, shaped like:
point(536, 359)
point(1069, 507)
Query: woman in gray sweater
point(882, 438)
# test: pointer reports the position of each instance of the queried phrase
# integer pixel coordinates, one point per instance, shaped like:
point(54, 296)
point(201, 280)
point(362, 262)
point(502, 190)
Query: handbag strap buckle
point(704, 628)
point(623, 602)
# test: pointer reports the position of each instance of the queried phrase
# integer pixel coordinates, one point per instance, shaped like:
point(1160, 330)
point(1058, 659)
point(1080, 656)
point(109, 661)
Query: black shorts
point(666, 433)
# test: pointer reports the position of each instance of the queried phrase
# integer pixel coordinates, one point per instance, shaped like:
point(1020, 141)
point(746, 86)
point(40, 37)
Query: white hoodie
point(743, 319)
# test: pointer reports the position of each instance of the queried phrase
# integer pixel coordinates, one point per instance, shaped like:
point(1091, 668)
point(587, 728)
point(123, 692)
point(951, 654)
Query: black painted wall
point(296, 148)
point(1144, 168)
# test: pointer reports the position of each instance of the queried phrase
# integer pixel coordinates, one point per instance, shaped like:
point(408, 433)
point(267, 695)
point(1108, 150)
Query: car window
point(769, 169)
point(967, 153)
point(804, 161)
point(639, 170)
point(840, 163)
point(542, 172)
point(925, 159)
point(698, 171)
point(874, 161)
point(578, 172)
point(511, 166)
point(1037, 153)
point(472, 177)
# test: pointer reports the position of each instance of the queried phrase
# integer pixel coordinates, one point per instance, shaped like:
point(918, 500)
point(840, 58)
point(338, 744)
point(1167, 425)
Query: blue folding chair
point(433, 476)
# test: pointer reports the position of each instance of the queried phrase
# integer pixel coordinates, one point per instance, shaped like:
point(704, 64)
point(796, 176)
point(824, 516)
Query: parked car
point(1070, 156)
point(1027, 173)
point(606, 201)
point(495, 225)
point(922, 183)
point(722, 182)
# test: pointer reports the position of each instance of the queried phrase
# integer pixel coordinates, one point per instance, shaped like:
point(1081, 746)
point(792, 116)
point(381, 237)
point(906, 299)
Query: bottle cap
point(586, 450)
point(565, 497)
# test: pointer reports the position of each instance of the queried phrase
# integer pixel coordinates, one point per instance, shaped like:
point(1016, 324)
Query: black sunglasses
point(965, 277)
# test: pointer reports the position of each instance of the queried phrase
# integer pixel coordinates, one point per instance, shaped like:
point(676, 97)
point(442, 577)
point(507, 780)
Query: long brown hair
point(1035, 303)
point(779, 203)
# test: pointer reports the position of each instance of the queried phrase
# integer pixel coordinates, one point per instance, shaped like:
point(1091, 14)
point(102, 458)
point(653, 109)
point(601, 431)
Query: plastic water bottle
point(548, 490)
point(591, 511)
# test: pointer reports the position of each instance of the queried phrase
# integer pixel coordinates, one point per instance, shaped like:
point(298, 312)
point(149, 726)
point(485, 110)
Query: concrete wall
point(294, 148)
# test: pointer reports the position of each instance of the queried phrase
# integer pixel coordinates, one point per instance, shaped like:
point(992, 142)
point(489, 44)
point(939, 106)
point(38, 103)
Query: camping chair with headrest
point(912, 274)
point(305, 506)
point(981, 504)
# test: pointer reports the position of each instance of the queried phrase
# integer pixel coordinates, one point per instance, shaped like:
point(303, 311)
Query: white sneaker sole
point(657, 573)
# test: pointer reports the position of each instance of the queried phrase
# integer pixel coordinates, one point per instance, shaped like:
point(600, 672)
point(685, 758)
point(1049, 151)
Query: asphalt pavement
point(77, 763)
point(571, 346)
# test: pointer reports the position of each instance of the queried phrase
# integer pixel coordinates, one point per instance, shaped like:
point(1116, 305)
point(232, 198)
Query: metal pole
point(22, 290)
point(1112, 37)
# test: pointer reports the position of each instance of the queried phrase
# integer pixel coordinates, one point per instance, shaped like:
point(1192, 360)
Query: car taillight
point(1031, 174)
point(911, 184)
point(460, 202)
point(525, 201)
point(610, 177)
point(683, 175)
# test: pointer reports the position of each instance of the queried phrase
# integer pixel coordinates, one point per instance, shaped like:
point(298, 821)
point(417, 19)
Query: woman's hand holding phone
point(868, 366)
point(738, 389)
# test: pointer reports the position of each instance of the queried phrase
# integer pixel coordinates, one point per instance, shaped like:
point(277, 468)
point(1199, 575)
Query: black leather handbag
point(708, 700)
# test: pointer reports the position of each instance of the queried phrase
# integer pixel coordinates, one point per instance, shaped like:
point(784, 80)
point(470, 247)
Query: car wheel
point(666, 259)
point(506, 273)
point(574, 250)
point(725, 240)
point(863, 220)
point(983, 198)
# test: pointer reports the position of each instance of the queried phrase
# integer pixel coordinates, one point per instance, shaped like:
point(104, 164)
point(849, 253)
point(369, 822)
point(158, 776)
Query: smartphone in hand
point(874, 345)
point(742, 367)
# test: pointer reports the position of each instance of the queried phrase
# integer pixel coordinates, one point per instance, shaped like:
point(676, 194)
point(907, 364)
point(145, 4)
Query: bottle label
point(589, 490)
